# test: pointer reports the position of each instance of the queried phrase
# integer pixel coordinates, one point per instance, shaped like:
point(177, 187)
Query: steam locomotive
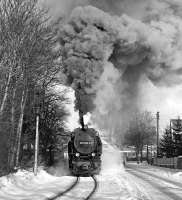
point(84, 152)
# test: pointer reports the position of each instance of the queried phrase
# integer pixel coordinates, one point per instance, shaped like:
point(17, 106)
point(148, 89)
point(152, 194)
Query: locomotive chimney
point(79, 94)
point(82, 121)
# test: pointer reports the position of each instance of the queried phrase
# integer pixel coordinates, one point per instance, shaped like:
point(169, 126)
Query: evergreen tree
point(177, 144)
point(167, 145)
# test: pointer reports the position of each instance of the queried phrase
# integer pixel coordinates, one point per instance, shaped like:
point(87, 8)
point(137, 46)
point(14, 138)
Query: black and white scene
point(90, 99)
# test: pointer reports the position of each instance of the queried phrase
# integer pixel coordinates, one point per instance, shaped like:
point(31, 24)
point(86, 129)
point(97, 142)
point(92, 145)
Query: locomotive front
point(84, 151)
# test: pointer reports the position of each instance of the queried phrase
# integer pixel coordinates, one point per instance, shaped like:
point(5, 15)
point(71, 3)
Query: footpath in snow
point(172, 174)
point(155, 182)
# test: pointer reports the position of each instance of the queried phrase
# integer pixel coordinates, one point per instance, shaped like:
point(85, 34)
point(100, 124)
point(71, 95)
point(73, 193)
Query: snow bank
point(23, 177)
point(24, 185)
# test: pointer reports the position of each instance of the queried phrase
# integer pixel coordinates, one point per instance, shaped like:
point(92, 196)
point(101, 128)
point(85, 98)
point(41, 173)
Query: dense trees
point(29, 64)
point(141, 131)
point(52, 117)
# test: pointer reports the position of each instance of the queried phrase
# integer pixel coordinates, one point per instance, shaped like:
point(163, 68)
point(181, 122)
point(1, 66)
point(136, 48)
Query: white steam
point(106, 91)
point(112, 160)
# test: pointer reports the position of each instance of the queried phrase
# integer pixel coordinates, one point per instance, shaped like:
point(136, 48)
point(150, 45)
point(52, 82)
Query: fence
point(175, 162)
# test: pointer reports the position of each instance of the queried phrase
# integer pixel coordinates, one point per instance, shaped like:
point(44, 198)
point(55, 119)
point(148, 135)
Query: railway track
point(72, 186)
point(94, 189)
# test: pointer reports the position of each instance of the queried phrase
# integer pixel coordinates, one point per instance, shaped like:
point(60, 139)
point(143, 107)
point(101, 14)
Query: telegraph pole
point(157, 115)
point(37, 110)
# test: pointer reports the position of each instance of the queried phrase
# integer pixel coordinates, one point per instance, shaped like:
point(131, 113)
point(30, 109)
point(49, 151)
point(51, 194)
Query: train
point(84, 152)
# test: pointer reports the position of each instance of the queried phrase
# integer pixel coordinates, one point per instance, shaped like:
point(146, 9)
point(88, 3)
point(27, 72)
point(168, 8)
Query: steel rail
point(94, 189)
point(65, 191)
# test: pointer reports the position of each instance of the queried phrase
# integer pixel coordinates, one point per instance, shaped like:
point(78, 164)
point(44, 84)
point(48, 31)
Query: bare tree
point(141, 131)
point(28, 60)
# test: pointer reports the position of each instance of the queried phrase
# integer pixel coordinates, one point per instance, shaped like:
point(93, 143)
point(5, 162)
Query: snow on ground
point(114, 182)
point(175, 174)
point(155, 182)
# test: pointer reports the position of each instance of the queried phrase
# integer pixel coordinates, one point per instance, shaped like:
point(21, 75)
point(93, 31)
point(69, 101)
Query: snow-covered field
point(114, 182)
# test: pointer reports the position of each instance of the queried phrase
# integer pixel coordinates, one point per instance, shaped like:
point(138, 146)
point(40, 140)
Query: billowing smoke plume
point(106, 59)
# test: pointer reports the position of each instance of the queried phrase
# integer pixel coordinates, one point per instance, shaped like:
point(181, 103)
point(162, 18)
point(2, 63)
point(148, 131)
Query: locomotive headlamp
point(93, 154)
point(77, 154)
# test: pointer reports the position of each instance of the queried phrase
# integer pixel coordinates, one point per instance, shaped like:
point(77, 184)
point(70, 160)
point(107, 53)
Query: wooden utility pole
point(157, 115)
point(147, 153)
point(36, 145)
point(37, 135)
